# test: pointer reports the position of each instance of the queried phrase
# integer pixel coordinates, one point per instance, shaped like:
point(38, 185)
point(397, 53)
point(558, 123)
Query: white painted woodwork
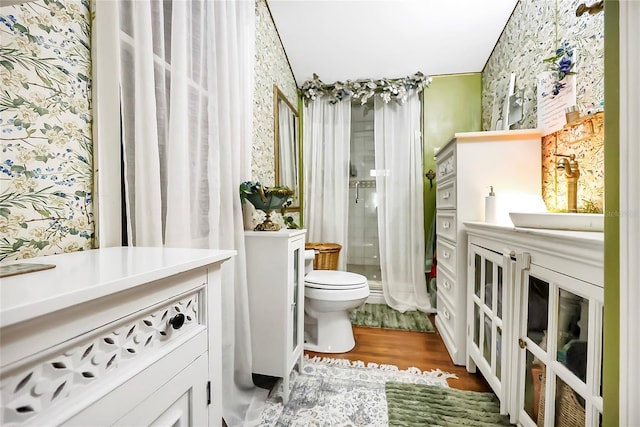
point(493, 301)
point(275, 279)
point(629, 212)
point(569, 261)
point(510, 161)
point(105, 57)
point(89, 342)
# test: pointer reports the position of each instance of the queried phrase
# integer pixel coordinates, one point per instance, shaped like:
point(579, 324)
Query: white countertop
point(591, 236)
point(86, 275)
point(283, 232)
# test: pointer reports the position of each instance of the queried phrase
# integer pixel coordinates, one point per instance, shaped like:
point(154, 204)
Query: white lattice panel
point(36, 388)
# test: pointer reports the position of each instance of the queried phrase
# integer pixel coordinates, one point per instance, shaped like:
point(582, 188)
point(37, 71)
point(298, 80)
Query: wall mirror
point(286, 155)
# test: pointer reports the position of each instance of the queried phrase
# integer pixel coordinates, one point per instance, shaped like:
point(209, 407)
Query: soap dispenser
point(490, 207)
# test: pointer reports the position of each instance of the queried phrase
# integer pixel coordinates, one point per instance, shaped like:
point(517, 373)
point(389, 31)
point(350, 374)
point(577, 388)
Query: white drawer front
point(446, 284)
point(447, 317)
point(446, 163)
point(446, 225)
point(446, 195)
point(446, 257)
point(78, 366)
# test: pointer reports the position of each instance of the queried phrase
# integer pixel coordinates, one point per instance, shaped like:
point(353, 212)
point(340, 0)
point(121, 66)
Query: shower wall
point(362, 247)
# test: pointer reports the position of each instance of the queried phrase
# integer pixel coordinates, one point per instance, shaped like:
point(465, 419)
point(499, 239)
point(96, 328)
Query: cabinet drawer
point(84, 368)
point(447, 317)
point(446, 225)
point(446, 284)
point(447, 257)
point(49, 331)
point(446, 163)
point(446, 195)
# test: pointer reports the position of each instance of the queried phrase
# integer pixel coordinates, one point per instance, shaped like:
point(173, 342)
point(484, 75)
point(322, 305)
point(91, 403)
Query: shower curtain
point(327, 132)
point(398, 160)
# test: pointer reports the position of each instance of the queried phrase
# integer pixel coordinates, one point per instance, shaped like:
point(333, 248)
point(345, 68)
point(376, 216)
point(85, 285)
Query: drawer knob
point(446, 225)
point(177, 321)
point(447, 285)
point(446, 255)
point(446, 195)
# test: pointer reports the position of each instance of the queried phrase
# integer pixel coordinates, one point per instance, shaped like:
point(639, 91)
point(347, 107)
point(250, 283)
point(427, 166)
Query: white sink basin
point(558, 221)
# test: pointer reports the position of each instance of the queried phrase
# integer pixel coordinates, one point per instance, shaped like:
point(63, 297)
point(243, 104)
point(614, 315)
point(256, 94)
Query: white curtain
point(398, 160)
point(327, 133)
point(187, 97)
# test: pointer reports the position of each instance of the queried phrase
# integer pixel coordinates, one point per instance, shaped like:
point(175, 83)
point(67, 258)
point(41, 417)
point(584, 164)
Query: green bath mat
point(424, 405)
point(383, 316)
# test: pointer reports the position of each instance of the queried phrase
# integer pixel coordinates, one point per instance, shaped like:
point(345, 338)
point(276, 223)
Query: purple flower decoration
point(565, 64)
point(562, 66)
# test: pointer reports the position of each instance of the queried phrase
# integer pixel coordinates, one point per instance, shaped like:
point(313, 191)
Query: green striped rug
point(423, 405)
point(383, 316)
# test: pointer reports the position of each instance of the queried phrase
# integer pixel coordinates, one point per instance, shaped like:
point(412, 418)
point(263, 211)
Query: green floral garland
point(387, 89)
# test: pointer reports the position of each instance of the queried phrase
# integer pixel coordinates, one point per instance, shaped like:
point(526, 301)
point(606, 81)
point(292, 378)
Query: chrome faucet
point(569, 165)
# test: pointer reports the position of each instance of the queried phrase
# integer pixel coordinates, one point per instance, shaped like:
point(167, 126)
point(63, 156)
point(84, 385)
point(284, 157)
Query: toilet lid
point(333, 279)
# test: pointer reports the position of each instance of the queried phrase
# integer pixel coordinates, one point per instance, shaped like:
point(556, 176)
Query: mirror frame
point(278, 96)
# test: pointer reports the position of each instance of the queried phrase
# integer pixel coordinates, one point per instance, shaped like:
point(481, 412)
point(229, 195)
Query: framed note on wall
point(552, 107)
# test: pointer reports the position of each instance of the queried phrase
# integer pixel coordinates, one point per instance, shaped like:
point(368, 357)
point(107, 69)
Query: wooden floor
point(405, 349)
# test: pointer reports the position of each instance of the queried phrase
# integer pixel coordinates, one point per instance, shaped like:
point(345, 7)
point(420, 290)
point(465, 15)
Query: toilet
point(328, 297)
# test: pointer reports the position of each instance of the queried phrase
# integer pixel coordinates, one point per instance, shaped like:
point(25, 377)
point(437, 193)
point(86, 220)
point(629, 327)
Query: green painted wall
point(451, 103)
point(611, 356)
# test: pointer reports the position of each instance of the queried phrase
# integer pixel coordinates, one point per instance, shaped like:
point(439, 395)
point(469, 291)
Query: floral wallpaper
point(45, 129)
point(585, 139)
point(529, 38)
point(271, 67)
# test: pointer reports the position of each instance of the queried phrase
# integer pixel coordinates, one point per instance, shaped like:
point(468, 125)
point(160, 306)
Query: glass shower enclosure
point(363, 251)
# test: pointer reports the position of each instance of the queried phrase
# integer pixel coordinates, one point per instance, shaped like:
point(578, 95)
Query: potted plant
point(267, 199)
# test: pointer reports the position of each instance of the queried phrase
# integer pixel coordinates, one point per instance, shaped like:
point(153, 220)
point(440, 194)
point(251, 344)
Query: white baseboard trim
point(376, 296)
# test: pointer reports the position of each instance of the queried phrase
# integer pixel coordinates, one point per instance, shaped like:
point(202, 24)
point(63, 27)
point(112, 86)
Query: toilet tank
point(309, 256)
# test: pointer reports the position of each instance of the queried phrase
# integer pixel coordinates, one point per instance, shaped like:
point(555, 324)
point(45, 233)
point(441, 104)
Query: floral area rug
point(339, 393)
point(383, 316)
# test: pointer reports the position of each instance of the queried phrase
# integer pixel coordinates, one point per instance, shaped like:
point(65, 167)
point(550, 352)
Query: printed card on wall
point(551, 107)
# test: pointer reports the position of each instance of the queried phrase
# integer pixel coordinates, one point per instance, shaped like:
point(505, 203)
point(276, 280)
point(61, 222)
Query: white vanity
point(128, 336)
point(534, 321)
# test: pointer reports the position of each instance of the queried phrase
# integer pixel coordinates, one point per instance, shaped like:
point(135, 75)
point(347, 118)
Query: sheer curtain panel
point(327, 133)
point(398, 160)
point(186, 100)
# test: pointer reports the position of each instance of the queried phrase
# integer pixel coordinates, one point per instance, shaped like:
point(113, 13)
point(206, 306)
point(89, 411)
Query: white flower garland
point(387, 89)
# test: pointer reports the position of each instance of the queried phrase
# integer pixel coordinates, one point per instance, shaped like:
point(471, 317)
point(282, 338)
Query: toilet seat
point(334, 280)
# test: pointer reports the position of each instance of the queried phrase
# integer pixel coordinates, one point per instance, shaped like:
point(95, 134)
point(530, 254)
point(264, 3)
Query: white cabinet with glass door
point(275, 281)
point(534, 321)
point(560, 347)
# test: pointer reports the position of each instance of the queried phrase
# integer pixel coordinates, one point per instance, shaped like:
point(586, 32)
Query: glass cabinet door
point(560, 350)
point(487, 300)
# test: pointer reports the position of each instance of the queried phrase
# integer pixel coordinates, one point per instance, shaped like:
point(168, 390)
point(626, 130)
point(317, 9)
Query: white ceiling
point(359, 39)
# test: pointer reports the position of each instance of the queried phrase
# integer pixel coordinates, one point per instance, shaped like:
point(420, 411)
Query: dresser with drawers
point(467, 166)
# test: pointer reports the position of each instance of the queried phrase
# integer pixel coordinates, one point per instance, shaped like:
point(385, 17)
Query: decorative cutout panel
point(35, 389)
